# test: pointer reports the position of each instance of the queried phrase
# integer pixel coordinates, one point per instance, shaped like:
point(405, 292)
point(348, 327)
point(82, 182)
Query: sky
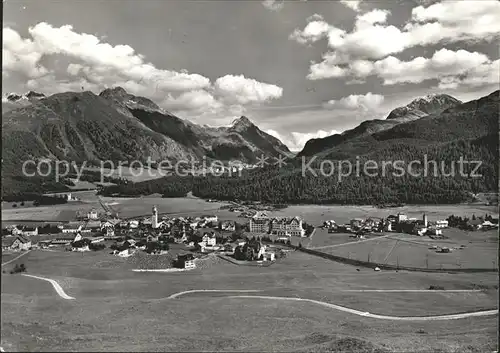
point(298, 69)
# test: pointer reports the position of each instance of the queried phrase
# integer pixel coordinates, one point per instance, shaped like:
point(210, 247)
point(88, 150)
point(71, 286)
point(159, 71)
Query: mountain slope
point(468, 131)
point(83, 126)
point(118, 126)
point(416, 109)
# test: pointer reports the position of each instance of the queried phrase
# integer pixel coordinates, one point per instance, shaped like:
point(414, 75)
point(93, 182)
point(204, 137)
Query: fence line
point(382, 266)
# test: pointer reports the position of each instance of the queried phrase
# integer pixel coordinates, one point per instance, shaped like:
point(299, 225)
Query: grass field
point(481, 250)
point(117, 309)
point(317, 214)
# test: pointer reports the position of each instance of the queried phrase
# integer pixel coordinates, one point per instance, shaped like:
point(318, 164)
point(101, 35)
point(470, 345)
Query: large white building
point(259, 223)
point(287, 227)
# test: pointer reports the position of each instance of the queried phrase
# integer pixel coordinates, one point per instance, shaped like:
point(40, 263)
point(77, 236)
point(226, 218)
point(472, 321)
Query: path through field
point(14, 259)
point(344, 309)
point(56, 286)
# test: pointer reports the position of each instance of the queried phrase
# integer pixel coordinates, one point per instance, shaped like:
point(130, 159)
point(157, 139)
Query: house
point(29, 231)
point(228, 226)
point(49, 229)
point(488, 225)
point(269, 256)
point(44, 244)
point(151, 238)
point(133, 224)
point(81, 249)
point(72, 228)
point(419, 229)
point(20, 242)
point(356, 222)
point(442, 223)
point(474, 224)
point(193, 225)
point(401, 217)
point(92, 214)
point(259, 223)
point(229, 248)
point(329, 224)
point(212, 219)
point(96, 240)
point(186, 261)
point(388, 227)
point(110, 232)
point(209, 239)
point(392, 218)
point(434, 231)
point(126, 253)
point(66, 240)
point(287, 227)
point(180, 238)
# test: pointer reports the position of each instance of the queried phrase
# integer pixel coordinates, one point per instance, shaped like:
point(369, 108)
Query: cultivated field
point(117, 309)
point(171, 206)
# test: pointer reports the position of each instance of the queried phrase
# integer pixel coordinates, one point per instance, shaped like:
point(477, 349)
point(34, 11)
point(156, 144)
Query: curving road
point(14, 259)
point(348, 310)
point(176, 295)
point(56, 286)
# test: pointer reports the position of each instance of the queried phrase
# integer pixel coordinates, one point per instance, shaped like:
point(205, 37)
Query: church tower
point(426, 222)
point(154, 218)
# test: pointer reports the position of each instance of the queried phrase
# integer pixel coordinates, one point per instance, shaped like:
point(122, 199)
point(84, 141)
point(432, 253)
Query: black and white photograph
point(250, 176)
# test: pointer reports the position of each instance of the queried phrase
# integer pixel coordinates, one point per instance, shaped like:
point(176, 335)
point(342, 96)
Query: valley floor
point(117, 309)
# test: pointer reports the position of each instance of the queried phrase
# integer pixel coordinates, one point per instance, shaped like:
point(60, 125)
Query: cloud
point(193, 101)
point(352, 4)
point(295, 141)
point(314, 31)
point(95, 65)
point(365, 102)
point(372, 17)
point(450, 68)
point(104, 61)
point(273, 5)
point(21, 55)
point(315, 17)
point(372, 38)
point(241, 90)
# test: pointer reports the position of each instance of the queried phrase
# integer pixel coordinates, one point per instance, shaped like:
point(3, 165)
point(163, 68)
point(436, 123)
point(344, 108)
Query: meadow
point(480, 250)
point(192, 206)
point(117, 309)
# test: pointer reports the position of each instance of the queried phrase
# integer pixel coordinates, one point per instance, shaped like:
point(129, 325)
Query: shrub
point(18, 269)
point(433, 287)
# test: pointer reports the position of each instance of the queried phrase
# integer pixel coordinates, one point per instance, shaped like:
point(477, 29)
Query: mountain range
point(446, 132)
point(119, 126)
point(416, 109)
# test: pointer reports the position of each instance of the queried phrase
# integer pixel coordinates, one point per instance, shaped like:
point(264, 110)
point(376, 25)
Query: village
point(261, 238)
